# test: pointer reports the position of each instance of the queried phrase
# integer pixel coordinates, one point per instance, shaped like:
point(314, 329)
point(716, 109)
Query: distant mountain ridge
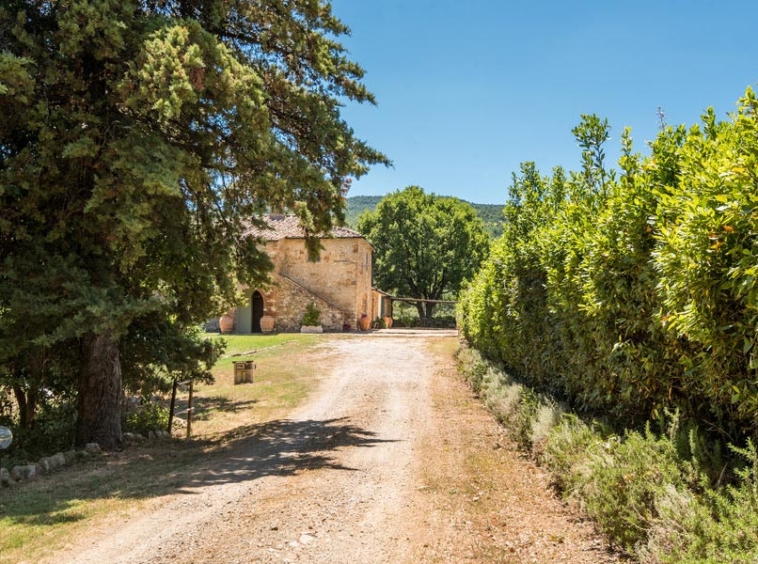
point(491, 214)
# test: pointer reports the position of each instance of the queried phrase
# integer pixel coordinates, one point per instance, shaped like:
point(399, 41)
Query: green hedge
point(634, 292)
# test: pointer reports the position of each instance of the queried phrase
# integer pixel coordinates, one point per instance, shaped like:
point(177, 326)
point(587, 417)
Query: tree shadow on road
point(285, 447)
point(277, 448)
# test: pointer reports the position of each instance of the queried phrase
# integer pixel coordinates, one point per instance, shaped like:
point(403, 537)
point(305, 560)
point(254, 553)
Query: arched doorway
point(257, 309)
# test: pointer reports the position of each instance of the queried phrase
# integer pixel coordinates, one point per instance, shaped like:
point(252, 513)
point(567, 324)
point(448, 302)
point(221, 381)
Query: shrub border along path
point(648, 492)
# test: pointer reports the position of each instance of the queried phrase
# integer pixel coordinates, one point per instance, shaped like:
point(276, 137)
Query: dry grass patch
point(500, 504)
point(282, 379)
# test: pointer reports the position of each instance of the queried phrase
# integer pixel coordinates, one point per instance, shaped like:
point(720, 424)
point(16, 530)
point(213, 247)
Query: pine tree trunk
point(27, 396)
point(27, 405)
point(100, 393)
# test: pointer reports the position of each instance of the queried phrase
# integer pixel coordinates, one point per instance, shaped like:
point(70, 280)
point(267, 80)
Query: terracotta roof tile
point(288, 227)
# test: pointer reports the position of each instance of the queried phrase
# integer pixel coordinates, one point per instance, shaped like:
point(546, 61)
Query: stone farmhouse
point(339, 283)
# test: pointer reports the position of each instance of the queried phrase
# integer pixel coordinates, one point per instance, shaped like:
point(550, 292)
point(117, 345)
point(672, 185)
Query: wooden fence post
point(173, 403)
point(189, 411)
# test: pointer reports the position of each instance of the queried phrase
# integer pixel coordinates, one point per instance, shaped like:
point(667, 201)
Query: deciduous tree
point(425, 245)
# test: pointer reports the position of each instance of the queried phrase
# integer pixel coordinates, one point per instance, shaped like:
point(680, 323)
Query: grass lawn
point(280, 382)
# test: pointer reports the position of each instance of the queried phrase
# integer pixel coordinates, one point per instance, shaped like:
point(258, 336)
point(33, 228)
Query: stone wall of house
point(341, 277)
point(290, 311)
point(339, 284)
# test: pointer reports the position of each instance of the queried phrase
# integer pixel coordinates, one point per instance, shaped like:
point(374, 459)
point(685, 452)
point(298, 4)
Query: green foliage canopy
point(137, 141)
point(425, 245)
point(632, 293)
point(491, 214)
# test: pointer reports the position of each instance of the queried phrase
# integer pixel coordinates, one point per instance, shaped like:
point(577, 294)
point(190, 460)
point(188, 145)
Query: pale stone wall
point(339, 284)
point(341, 277)
point(290, 311)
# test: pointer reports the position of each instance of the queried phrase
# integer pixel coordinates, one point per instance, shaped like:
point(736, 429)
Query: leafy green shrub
point(472, 366)
point(312, 315)
point(156, 350)
point(525, 417)
point(529, 414)
point(149, 416)
point(501, 398)
point(404, 321)
point(629, 294)
point(720, 526)
point(651, 499)
point(624, 482)
point(567, 450)
point(652, 494)
point(546, 417)
point(53, 431)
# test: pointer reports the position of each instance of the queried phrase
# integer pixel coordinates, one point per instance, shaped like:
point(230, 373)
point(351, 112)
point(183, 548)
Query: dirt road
point(391, 461)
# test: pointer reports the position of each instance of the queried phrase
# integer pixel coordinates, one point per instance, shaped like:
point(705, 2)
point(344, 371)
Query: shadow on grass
point(278, 448)
point(205, 406)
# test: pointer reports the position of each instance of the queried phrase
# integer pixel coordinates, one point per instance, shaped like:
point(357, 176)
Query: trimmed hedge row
point(632, 292)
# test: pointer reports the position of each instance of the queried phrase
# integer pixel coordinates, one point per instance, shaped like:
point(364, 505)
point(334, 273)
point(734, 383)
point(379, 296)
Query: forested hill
point(491, 214)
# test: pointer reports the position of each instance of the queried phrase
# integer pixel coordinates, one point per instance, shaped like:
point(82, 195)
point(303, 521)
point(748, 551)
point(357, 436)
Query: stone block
point(92, 448)
point(57, 460)
point(24, 473)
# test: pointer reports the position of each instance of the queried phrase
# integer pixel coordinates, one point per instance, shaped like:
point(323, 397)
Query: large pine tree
point(136, 137)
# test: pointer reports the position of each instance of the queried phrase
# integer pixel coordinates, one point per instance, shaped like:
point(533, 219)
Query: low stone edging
point(25, 473)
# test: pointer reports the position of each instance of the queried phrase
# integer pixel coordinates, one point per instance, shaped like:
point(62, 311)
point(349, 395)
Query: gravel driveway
point(374, 468)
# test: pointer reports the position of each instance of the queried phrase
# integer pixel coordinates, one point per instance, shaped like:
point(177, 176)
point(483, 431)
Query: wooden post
point(189, 411)
point(173, 403)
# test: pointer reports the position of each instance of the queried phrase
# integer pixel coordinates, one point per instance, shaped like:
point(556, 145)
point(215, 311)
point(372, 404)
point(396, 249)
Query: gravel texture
point(392, 460)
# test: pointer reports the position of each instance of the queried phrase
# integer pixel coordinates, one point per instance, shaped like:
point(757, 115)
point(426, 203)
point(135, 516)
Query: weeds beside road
point(658, 495)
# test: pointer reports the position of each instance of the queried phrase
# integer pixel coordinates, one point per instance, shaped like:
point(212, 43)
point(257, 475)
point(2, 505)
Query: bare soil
point(392, 460)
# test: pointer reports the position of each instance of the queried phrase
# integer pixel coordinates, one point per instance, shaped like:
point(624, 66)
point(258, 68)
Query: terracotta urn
point(267, 323)
point(387, 321)
point(364, 323)
point(226, 323)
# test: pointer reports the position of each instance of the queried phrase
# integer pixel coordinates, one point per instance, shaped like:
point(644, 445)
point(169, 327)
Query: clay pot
point(364, 323)
point(387, 321)
point(226, 323)
point(267, 324)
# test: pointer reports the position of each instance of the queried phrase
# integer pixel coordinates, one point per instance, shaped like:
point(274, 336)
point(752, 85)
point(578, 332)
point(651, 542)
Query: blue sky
point(469, 89)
